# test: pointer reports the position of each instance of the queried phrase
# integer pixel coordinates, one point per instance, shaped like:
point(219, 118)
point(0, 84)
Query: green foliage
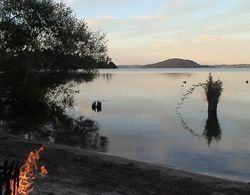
point(213, 90)
point(43, 34)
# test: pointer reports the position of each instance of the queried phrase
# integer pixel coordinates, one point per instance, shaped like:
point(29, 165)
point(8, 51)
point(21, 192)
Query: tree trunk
point(212, 107)
point(27, 71)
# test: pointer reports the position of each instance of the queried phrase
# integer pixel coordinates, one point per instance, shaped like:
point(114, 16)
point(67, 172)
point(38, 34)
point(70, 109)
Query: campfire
point(17, 179)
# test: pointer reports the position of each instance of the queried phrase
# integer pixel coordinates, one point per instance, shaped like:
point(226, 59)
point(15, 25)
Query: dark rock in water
point(97, 106)
point(94, 106)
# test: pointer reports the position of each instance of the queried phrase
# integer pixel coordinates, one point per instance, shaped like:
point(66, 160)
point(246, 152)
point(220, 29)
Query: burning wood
point(28, 170)
point(19, 179)
point(9, 177)
point(43, 171)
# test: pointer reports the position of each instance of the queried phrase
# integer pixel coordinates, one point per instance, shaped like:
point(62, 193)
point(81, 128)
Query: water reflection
point(34, 107)
point(177, 75)
point(212, 129)
point(139, 116)
point(106, 76)
point(83, 133)
point(186, 126)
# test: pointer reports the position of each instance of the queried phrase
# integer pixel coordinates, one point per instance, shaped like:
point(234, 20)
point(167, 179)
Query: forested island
point(174, 63)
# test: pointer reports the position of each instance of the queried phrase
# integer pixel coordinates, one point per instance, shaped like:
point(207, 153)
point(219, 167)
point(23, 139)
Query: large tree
point(43, 34)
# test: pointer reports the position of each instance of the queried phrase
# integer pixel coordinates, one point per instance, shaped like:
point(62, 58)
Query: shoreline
point(77, 171)
point(166, 166)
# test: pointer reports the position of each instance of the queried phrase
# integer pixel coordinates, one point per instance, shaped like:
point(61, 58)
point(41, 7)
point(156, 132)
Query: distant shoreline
point(183, 63)
point(202, 66)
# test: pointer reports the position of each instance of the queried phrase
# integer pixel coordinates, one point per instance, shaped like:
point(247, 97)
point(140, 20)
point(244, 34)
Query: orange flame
point(43, 171)
point(27, 172)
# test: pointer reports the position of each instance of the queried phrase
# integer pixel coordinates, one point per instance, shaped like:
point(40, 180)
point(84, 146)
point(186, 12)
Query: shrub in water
point(213, 91)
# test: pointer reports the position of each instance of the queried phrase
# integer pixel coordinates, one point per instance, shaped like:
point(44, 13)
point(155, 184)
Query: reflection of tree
point(106, 76)
point(35, 108)
point(212, 129)
point(82, 132)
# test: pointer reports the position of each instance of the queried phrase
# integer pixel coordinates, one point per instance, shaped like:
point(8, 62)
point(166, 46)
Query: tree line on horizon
point(46, 35)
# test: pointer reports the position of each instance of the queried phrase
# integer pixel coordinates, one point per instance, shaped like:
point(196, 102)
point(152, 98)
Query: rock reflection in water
point(35, 109)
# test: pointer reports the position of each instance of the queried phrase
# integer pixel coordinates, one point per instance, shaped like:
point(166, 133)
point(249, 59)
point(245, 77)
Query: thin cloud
point(158, 28)
point(149, 17)
point(210, 38)
point(128, 27)
point(105, 20)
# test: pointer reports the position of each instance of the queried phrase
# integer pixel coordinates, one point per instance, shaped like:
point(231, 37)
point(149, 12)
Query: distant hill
point(181, 63)
point(174, 63)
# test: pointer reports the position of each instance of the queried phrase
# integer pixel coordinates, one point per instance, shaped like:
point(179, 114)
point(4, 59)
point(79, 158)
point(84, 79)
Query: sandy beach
point(76, 171)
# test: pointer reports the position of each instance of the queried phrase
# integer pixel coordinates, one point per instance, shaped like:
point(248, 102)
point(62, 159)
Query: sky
point(149, 31)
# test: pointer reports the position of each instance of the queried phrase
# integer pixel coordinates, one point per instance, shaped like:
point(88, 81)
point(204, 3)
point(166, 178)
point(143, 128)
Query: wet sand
point(76, 171)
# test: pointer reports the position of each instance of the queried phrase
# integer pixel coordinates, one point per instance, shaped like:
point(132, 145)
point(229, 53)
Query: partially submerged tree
point(43, 34)
point(213, 90)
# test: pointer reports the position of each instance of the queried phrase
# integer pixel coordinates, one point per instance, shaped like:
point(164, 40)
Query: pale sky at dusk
point(148, 31)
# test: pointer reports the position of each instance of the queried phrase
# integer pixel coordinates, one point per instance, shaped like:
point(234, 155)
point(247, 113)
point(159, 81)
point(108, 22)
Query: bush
point(213, 90)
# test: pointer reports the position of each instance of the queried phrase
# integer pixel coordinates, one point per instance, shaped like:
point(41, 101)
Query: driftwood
point(9, 177)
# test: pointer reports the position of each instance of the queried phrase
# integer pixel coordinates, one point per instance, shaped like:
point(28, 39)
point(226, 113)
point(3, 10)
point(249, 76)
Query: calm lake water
point(139, 118)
